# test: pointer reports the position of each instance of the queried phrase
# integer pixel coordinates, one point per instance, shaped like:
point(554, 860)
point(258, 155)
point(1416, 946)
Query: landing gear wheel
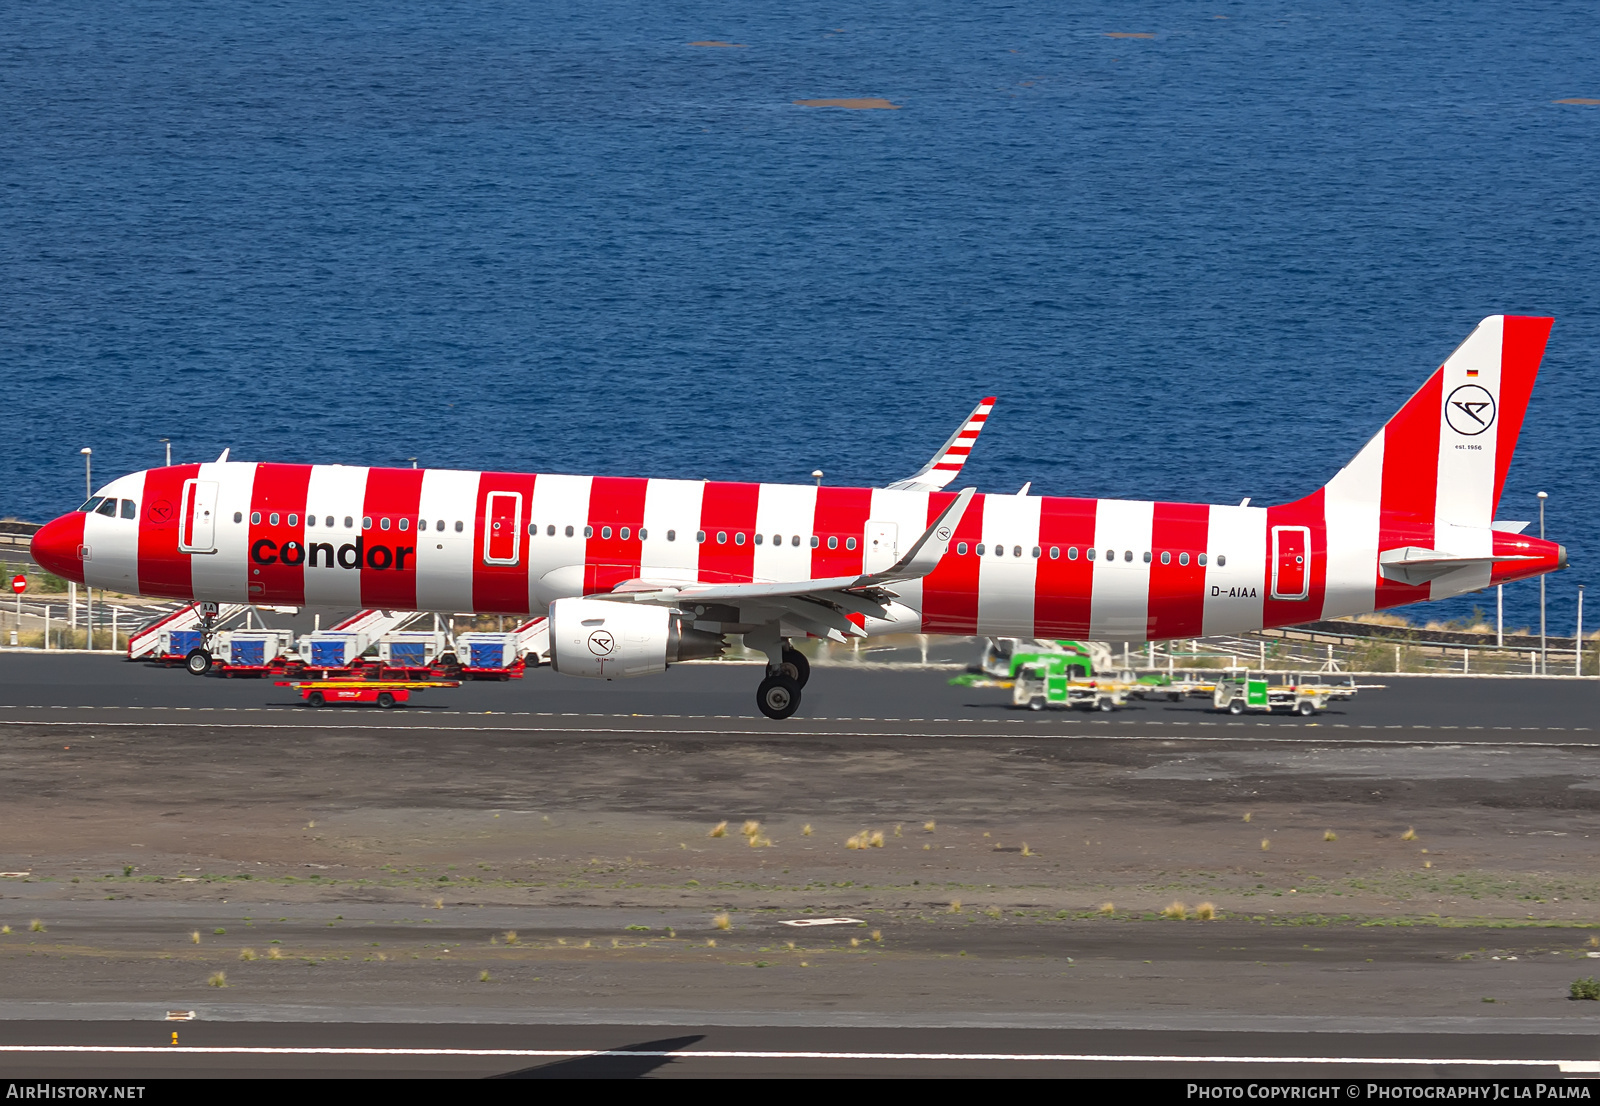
point(1306, 709)
point(1236, 706)
point(1105, 704)
point(1036, 703)
point(778, 697)
point(796, 667)
point(198, 662)
point(315, 699)
point(385, 700)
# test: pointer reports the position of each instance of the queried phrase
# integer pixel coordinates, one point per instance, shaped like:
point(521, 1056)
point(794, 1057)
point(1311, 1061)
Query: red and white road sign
point(19, 584)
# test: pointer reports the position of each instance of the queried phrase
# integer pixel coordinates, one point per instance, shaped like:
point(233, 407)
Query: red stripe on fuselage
point(729, 510)
point(1063, 586)
point(1178, 531)
point(841, 514)
point(500, 589)
point(276, 552)
point(1308, 512)
point(389, 556)
point(1410, 485)
point(1521, 349)
point(162, 569)
point(950, 591)
point(616, 503)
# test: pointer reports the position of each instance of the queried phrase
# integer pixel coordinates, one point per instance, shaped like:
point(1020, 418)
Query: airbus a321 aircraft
point(638, 573)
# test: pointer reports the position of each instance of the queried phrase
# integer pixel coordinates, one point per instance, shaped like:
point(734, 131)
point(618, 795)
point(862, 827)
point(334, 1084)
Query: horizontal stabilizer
point(1412, 564)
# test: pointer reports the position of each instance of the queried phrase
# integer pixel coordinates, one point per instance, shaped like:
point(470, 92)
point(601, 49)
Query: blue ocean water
point(1200, 265)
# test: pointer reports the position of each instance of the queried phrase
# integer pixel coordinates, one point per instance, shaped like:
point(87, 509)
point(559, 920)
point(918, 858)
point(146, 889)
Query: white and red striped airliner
point(637, 573)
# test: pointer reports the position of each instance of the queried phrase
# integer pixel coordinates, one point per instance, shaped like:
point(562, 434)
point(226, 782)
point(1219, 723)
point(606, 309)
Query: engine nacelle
point(606, 640)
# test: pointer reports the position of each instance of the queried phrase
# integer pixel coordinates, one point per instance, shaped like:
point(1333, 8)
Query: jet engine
point(607, 640)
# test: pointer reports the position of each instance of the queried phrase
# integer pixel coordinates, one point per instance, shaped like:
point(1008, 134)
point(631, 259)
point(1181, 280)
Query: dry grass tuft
point(992, 911)
point(1206, 911)
point(438, 904)
point(483, 976)
point(856, 841)
point(5, 931)
point(750, 829)
point(1410, 834)
point(877, 935)
point(274, 954)
point(805, 830)
point(1266, 845)
point(930, 825)
point(1247, 816)
point(789, 945)
point(36, 926)
point(1175, 910)
point(711, 942)
point(897, 831)
point(1027, 851)
point(218, 979)
point(719, 830)
point(955, 906)
point(855, 942)
point(587, 944)
point(1108, 908)
point(1594, 942)
point(195, 936)
point(511, 937)
point(247, 954)
point(876, 840)
point(759, 842)
point(722, 921)
point(1329, 835)
point(1427, 864)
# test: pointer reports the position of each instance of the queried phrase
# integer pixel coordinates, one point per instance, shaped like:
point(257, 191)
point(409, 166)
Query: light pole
point(168, 443)
point(1543, 655)
point(413, 461)
point(816, 474)
point(88, 482)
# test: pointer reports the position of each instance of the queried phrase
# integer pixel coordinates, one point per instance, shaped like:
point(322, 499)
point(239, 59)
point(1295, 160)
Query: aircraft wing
point(822, 606)
point(946, 464)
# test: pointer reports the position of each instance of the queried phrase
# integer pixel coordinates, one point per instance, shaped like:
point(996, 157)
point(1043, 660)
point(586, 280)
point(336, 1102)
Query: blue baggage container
point(328, 654)
point(488, 654)
point(248, 652)
point(408, 653)
point(185, 640)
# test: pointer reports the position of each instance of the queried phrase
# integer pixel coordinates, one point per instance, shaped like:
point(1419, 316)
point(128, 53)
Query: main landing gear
point(778, 696)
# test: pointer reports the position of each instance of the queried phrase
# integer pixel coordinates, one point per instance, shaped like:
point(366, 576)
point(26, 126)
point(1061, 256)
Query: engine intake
point(606, 640)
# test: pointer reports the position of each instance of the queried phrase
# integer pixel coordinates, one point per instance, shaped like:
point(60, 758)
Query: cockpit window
point(130, 509)
point(91, 503)
point(107, 508)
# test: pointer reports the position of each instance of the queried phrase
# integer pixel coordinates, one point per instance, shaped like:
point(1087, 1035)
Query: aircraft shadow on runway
point(608, 1065)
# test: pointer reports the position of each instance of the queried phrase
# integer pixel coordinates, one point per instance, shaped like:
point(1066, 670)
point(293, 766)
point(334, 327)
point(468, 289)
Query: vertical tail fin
point(1443, 457)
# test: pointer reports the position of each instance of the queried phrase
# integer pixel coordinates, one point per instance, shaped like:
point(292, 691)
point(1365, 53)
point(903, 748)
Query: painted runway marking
point(391, 728)
point(1566, 1066)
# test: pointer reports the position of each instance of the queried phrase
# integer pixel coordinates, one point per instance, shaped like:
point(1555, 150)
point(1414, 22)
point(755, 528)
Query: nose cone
point(1561, 556)
point(55, 547)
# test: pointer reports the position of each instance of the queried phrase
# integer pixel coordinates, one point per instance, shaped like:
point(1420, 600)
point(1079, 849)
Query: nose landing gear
point(197, 661)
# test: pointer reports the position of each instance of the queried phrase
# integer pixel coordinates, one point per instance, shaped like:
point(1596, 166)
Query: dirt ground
point(496, 874)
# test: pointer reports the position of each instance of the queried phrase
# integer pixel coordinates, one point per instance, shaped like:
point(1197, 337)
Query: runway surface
point(120, 1050)
point(547, 877)
point(699, 698)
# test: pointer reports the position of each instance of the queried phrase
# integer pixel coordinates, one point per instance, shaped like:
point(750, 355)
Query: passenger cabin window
point(588, 531)
point(758, 539)
point(849, 543)
point(130, 509)
point(1202, 559)
point(460, 526)
point(1183, 559)
point(238, 516)
point(605, 532)
point(961, 549)
point(833, 542)
point(1127, 555)
point(1016, 551)
point(422, 525)
point(700, 536)
point(405, 523)
point(982, 549)
point(738, 539)
point(672, 535)
point(569, 531)
point(1222, 561)
point(644, 534)
point(1147, 556)
point(255, 518)
point(999, 551)
point(383, 524)
point(108, 508)
point(816, 541)
point(795, 540)
point(1055, 552)
point(623, 533)
point(1089, 553)
point(550, 531)
point(1036, 552)
point(272, 519)
point(1166, 558)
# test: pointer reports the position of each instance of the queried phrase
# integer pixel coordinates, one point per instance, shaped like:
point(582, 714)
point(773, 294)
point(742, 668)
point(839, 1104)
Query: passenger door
point(502, 528)
point(882, 551)
point(197, 527)
point(1291, 555)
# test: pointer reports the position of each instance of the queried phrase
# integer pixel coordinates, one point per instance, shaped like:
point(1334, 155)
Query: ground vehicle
point(385, 693)
point(1258, 692)
point(1052, 681)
